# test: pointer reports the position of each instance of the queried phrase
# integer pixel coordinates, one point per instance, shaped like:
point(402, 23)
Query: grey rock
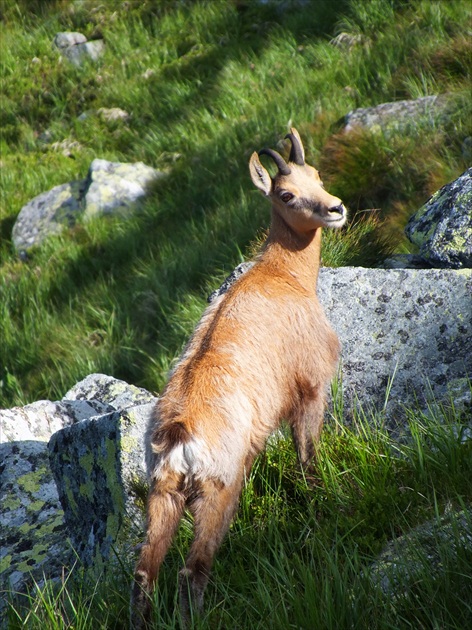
point(39, 420)
point(76, 48)
point(412, 326)
point(403, 332)
point(100, 471)
point(117, 187)
point(406, 559)
point(109, 391)
point(442, 228)
point(34, 537)
point(398, 115)
point(48, 214)
point(68, 38)
point(80, 53)
point(109, 187)
point(405, 261)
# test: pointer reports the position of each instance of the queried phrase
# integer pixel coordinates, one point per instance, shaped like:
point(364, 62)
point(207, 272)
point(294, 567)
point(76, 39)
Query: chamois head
point(296, 191)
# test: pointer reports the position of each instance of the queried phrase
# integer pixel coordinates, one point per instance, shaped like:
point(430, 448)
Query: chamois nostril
point(338, 209)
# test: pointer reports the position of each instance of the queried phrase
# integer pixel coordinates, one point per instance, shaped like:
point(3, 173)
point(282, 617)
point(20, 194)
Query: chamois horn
point(296, 152)
point(278, 159)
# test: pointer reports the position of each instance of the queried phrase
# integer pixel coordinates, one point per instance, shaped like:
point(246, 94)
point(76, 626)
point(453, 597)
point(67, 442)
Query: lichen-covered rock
point(39, 420)
point(48, 214)
point(412, 326)
point(409, 557)
point(116, 186)
point(101, 477)
point(32, 529)
point(442, 228)
point(403, 331)
point(111, 391)
point(398, 115)
point(100, 472)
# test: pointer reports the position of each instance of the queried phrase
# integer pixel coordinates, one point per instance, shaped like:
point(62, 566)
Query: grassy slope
point(121, 295)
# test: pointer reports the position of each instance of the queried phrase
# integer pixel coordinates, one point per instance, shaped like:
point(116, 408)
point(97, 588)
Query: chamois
point(262, 352)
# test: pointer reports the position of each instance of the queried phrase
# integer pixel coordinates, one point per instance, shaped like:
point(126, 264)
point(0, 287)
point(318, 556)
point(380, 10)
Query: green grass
point(121, 295)
point(300, 553)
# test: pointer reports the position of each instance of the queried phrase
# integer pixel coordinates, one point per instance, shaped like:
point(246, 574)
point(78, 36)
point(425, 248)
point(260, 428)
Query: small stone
point(112, 114)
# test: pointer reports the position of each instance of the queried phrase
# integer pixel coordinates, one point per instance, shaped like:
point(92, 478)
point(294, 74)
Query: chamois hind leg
point(165, 507)
point(306, 423)
point(212, 506)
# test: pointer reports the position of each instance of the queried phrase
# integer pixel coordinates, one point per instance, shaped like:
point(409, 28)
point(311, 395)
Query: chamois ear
point(259, 174)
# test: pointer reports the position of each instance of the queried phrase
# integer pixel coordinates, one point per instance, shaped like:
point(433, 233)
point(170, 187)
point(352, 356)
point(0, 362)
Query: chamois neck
point(297, 253)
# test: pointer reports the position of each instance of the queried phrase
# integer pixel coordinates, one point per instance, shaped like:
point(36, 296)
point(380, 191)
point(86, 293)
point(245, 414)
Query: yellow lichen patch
point(129, 444)
point(86, 490)
point(87, 462)
point(35, 506)
point(31, 482)
point(5, 563)
point(24, 528)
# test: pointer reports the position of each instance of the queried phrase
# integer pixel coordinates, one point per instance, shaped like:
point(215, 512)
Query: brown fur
point(262, 352)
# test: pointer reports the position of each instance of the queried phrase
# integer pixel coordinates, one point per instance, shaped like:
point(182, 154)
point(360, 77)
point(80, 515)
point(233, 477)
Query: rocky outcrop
point(407, 333)
point(442, 228)
point(116, 186)
point(110, 187)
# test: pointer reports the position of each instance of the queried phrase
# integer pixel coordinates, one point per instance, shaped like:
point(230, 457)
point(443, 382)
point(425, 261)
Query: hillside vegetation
point(205, 84)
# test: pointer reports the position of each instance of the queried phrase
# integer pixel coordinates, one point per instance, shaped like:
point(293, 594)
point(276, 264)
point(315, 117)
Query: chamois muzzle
point(339, 209)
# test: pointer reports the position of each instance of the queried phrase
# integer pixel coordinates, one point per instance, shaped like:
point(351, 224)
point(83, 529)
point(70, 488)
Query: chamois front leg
point(306, 423)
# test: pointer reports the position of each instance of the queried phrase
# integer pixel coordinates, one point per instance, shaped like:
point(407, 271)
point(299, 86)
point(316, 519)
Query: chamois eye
point(286, 197)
